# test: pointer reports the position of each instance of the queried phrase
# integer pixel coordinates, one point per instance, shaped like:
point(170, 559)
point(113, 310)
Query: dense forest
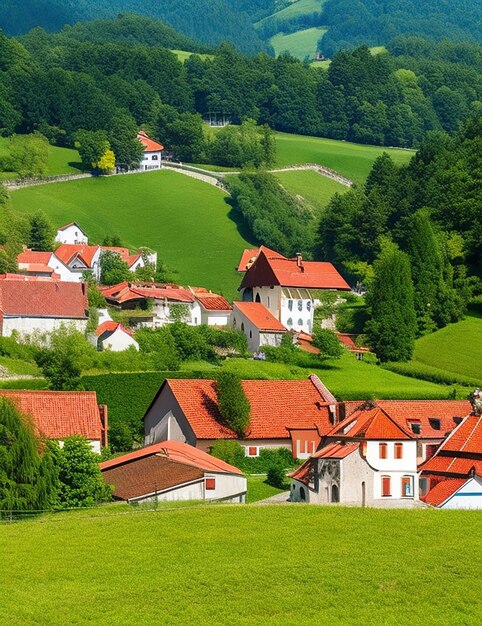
point(375, 22)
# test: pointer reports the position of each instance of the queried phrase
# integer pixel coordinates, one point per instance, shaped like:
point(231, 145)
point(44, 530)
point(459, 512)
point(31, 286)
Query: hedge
point(430, 373)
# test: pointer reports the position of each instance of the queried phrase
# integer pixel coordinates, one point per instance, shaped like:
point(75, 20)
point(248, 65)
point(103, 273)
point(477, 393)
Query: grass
point(299, 7)
point(350, 159)
point(61, 161)
point(258, 489)
point(22, 368)
point(185, 220)
point(301, 44)
point(457, 348)
point(183, 55)
point(243, 564)
point(313, 187)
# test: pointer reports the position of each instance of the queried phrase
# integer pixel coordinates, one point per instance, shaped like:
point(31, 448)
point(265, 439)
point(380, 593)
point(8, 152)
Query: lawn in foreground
point(185, 220)
point(61, 161)
point(244, 564)
point(300, 44)
point(457, 348)
point(350, 159)
point(315, 188)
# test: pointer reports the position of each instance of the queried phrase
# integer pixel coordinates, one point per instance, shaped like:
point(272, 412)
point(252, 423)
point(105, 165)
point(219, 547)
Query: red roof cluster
point(32, 256)
point(149, 144)
point(43, 298)
point(443, 490)
point(259, 316)
point(126, 291)
point(369, 422)
point(269, 269)
point(60, 414)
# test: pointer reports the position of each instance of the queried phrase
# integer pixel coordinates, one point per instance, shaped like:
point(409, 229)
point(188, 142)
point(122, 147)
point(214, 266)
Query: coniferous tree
point(41, 236)
point(232, 402)
point(392, 327)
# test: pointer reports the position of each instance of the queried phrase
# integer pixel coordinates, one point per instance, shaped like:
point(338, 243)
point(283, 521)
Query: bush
point(229, 451)
point(276, 477)
point(10, 348)
point(232, 402)
point(232, 452)
point(121, 438)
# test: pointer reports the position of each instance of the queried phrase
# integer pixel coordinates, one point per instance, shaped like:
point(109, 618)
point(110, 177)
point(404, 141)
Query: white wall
point(72, 235)
point(392, 467)
point(28, 325)
point(300, 316)
point(227, 485)
point(468, 497)
point(119, 341)
point(151, 161)
point(270, 297)
point(215, 318)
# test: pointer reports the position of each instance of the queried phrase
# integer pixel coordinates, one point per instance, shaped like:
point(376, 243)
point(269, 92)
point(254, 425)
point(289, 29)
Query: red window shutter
point(252, 451)
point(383, 450)
point(210, 484)
point(386, 489)
point(399, 450)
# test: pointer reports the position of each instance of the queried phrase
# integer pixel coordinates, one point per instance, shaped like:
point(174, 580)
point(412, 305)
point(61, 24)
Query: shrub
point(121, 438)
point(229, 451)
point(276, 477)
point(233, 403)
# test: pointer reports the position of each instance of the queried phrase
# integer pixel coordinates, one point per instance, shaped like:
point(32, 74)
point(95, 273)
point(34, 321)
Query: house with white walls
point(215, 309)
point(284, 286)
point(72, 234)
point(259, 325)
point(115, 337)
point(152, 159)
point(173, 471)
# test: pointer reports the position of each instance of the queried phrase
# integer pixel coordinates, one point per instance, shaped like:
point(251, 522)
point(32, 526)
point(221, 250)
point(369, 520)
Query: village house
point(114, 337)
point(215, 309)
point(284, 286)
point(152, 152)
point(30, 305)
point(60, 414)
point(71, 234)
point(259, 325)
point(293, 414)
point(171, 470)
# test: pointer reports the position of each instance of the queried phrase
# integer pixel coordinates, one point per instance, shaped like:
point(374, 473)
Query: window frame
point(398, 450)
point(383, 450)
point(407, 480)
point(210, 483)
point(386, 481)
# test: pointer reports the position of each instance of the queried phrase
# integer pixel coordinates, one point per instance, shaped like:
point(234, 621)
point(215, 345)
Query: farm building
point(215, 309)
point(152, 159)
point(293, 414)
point(115, 337)
point(71, 234)
point(171, 470)
point(29, 305)
point(258, 324)
point(60, 414)
point(285, 285)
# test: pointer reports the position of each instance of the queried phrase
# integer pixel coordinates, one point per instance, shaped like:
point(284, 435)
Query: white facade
point(118, 341)
point(394, 468)
point(71, 234)
point(27, 325)
point(294, 308)
point(215, 318)
point(256, 338)
point(151, 161)
point(469, 496)
point(162, 312)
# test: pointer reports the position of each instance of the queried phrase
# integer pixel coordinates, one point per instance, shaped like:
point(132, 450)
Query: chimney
point(299, 261)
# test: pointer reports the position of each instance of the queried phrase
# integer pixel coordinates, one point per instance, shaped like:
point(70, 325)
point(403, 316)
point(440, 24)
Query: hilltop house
point(72, 234)
point(29, 305)
point(171, 470)
point(293, 414)
point(152, 152)
point(115, 337)
point(258, 324)
point(284, 286)
point(60, 414)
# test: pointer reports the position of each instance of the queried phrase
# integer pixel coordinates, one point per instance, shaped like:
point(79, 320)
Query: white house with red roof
point(71, 233)
point(115, 337)
point(152, 159)
point(215, 309)
point(28, 306)
point(293, 414)
point(259, 325)
point(284, 286)
point(171, 471)
point(60, 414)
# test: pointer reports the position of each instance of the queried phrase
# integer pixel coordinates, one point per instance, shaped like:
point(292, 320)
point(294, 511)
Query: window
point(335, 494)
point(155, 157)
point(423, 486)
point(457, 420)
point(252, 451)
point(268, 302)
point(289, 321)
point(434, 423)
point(302, 494)
point(416, 427)
point(250, 334)
point(383, 450)
point(308, 305)
point(210, 484)
point(399, 450)
point(300, 305)
point(386, 486)
point(300, 322)
point(234, 323)
point(407, 487)
point(290, 305)
point(258, 298)
point(430, 450)
point(242, 326)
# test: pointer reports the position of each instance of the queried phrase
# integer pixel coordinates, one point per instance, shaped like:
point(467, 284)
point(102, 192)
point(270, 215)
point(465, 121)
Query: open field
point(301, 44)
point(243, 564)
point(457, 348)
point(185, 220)
point(316, 189)
point(350, 159)
point(182, 55)
point(61, 160)
point(299, 7)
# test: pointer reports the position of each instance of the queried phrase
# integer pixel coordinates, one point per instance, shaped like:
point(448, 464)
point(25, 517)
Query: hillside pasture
point(61, 161)
point(183, 55)
point(300, 44)
point(243, 564)
point(349, 159)
point(313, 187)
point(185, 220)
point(294, 9)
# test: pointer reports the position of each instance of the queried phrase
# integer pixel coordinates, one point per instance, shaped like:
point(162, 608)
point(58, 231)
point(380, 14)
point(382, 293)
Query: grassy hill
point(350, 159)
point(185, 220)
point(61, 160)
point(243, 564)
point(295, 9)
point(300, 44)
point(316, 189)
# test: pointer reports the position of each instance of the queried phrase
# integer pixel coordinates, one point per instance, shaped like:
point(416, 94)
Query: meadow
point(313, 187)
point(61, 161)
point(243, 564)
point(349, 159)
point(186, 221)
point(299, 7)
point(300, 44)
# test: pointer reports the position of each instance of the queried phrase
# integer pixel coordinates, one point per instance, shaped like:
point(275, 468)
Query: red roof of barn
point(149, 144)
point(276, 405)
point(123, 292)
point(370, 422)
point(60, 414)
point(43, 298)
point(33, 256)
point(443, 490)
point(275, 270)
point(260, 316)
point(249, 256)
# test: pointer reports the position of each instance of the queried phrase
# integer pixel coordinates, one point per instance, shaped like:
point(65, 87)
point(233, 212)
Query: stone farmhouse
point(152, 159)
point(171, 470)
point(28, 305)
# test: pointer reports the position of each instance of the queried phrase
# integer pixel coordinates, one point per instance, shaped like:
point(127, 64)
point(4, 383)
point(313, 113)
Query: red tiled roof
point(68, 226)
point(276, 405)
point(259, 316)
point(124, 292)
point(36, 268)
point(466, 438)
point(371, 422)
point(249, 256)
point(66, 252)
point(303, 473)
point(210, 301)
point(32, 256)
point(336, 450)
point(149, 144)
point(60, 414)
point(124, 254)
point(443, 490)
point(268, 270)
point(176, 451)
point(110, 327)
point(43, 298)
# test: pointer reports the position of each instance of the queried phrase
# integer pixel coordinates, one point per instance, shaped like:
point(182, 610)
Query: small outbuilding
point(258, 324)
point(115, 337)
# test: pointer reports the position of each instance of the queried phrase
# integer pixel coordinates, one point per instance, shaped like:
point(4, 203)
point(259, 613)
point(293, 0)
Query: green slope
point(313, 187)
point(61, 160)
point(300, 44)
point(184, 219)
point(299, 7)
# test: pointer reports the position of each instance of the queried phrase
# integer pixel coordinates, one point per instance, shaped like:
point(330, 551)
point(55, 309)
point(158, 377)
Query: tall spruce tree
point(392, 328)
point(41, 235)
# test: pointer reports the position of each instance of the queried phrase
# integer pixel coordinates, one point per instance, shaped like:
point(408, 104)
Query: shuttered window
point(399, 450)
point(210, 484)
point(386, 486)
point(383, 448)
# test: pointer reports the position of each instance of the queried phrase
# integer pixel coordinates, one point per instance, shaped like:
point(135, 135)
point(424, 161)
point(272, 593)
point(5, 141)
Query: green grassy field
point(457, 348)
point(258, 489)
point(243, 564)
point(313, 187)
point(22, 368)
point(350, 159)
point(183, 55)
point(184, 219)
point(61, 161)
point(299, 7)
point(301, 44)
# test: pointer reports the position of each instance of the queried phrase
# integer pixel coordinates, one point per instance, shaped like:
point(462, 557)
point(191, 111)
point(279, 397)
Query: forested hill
point(209, 21)
point(376, 22)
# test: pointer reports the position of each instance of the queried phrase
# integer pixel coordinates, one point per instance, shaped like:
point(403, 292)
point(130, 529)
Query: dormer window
point(434, 423)
point(416, 427)
point(458, 420)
